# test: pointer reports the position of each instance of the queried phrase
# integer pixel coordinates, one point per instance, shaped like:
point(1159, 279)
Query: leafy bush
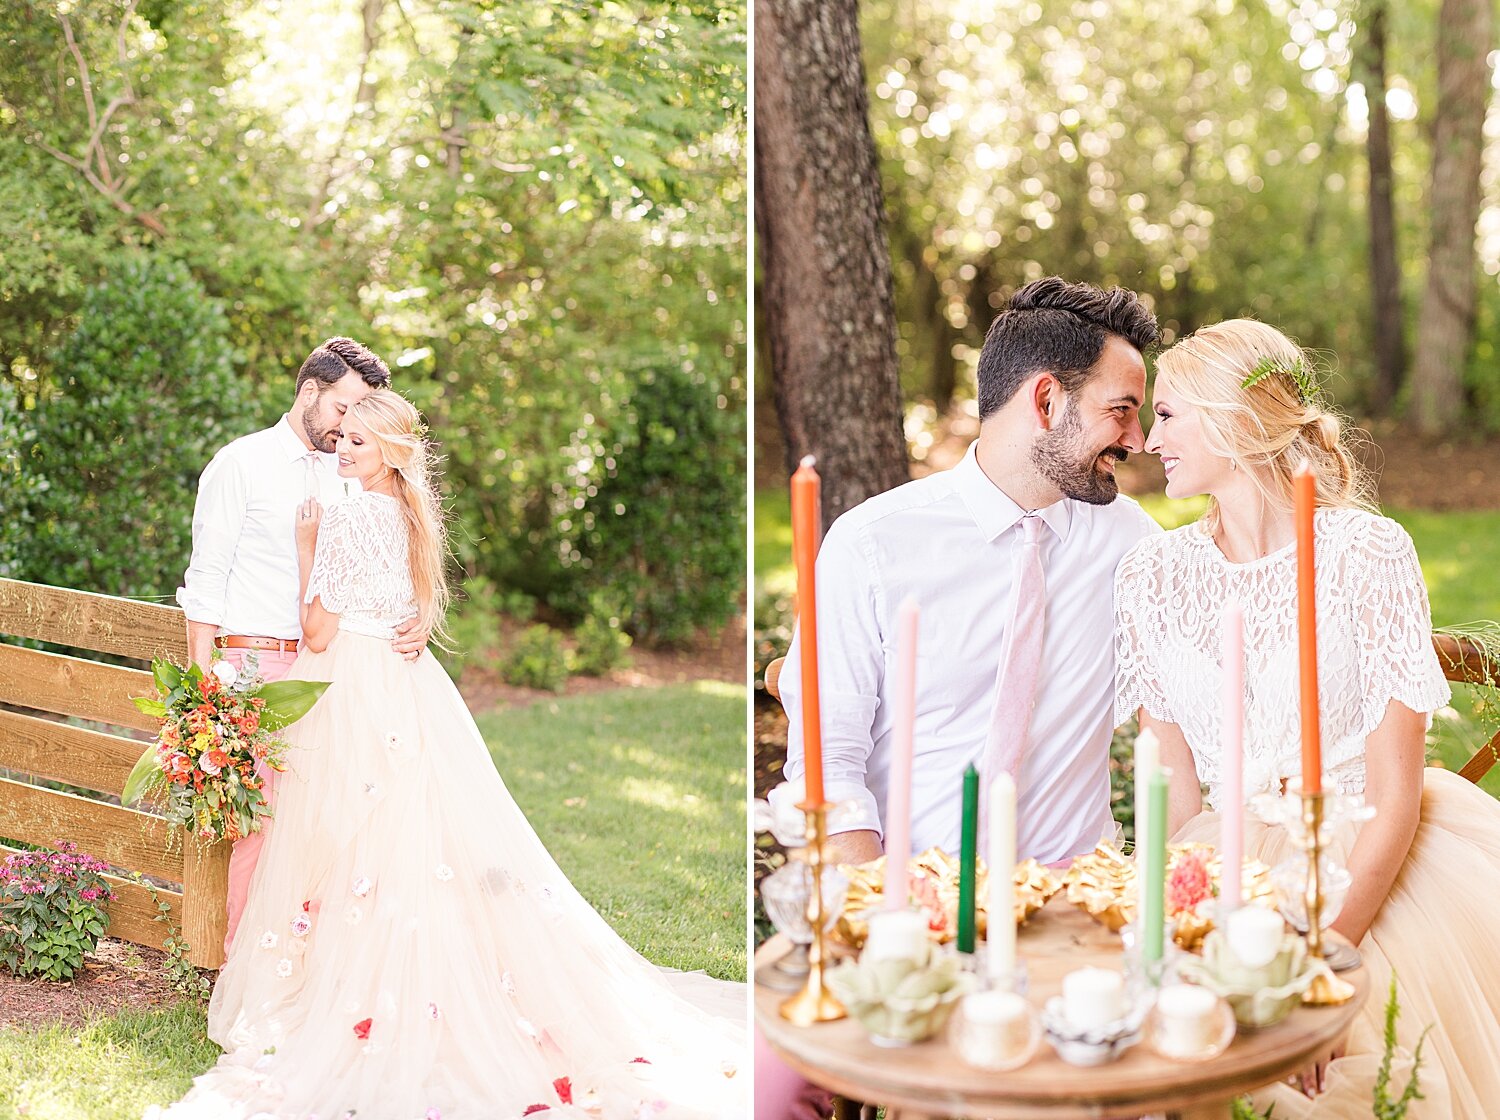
point(18, 482)
point(51, 911)
point(473, 628)
point(665, 529)
point(516, 604)
point(602, 643)
point(146, 393)
point(538, 660)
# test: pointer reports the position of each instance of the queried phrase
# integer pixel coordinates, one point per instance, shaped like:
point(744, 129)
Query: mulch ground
point(116, 976)
point(120, 974)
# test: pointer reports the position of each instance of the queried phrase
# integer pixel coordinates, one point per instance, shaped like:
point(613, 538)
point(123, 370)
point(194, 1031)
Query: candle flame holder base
point(815, 1003)
point(1327, 990)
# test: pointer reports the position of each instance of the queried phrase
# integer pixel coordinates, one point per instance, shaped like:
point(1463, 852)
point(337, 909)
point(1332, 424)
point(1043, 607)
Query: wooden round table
point(929, 1079)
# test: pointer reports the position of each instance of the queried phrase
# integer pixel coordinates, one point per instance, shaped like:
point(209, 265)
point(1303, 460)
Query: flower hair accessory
point(1307, 388)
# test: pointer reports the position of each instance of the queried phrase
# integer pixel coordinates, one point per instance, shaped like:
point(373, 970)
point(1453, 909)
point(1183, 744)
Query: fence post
point(205, 885)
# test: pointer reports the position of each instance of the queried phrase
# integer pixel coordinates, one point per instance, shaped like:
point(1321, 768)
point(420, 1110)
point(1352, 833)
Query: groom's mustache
point(1118, 452)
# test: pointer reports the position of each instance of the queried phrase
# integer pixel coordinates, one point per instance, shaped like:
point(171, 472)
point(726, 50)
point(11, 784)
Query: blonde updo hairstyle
point(1268, 428)
point(396, 428)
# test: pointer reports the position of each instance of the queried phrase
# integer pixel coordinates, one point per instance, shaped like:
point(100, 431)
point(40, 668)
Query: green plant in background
point(183, 974)
point(538, 659)
point(145, 394)
point(1384, 1107)
point(1242, 1108)
point(19, 484)
point(473, 628)
point(601, 643)
point(663, 531)
point(51, 911)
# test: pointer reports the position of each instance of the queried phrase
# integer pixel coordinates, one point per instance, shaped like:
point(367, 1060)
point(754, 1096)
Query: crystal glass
point(1289, 877)
point(785, 894)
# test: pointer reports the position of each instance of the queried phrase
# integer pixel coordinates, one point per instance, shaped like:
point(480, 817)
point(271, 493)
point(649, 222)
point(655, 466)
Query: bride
point(409, 950)
point(1425, 898)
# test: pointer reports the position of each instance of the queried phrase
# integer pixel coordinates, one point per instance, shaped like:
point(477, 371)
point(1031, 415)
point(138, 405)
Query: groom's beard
point(324, 441)
point(1071, 466)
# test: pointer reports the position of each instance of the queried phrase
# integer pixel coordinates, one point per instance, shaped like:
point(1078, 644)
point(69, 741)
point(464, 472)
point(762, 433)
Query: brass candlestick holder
point(1326, 988)
point(815, 1003)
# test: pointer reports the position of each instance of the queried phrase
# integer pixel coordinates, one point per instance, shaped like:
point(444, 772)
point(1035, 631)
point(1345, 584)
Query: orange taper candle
point(1305, 486)
point(806, 530)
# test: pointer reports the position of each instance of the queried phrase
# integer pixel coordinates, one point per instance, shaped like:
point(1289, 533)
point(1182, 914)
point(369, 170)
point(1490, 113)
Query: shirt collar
point(287, 439)
point(993, 509)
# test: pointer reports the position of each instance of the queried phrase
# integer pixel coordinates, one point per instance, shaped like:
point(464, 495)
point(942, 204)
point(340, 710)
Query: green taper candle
point(966, 868)
point(1154, 873)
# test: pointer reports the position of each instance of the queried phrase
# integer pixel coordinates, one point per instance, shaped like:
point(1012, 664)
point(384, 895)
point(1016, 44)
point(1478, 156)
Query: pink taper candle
point(1232, 810)
point(898, 779)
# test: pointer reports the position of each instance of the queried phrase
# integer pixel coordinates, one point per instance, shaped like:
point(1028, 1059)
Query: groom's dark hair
point(1061, 328)
point(337, 357)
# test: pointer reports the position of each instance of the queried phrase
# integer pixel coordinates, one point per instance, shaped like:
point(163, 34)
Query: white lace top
point(361, 568)
point(1374, 644)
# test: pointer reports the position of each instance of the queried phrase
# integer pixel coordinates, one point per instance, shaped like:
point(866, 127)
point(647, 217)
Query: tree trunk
point(1385, 272)
point(825, 272)
point(1447, 325)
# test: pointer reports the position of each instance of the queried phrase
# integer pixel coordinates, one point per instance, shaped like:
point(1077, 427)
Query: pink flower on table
point(301, 925)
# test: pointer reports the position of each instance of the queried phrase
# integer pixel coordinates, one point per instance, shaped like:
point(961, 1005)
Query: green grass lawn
point(638, 793)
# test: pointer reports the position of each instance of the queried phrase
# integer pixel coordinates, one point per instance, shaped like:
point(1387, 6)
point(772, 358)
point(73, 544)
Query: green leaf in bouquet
point(288, 701)
point(142, 777)
point(166, 675)
point(150, 707)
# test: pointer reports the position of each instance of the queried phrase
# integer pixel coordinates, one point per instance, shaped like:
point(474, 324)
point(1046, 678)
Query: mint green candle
point(968, 849)
point(1154, 871)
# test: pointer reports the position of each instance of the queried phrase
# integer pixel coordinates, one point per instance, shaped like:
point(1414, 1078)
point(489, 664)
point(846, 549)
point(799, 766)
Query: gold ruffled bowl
point(1103, 885)
point(934, 876)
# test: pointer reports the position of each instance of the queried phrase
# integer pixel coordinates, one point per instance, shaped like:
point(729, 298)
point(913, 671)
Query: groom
point(241, 587)
point(1011, 558)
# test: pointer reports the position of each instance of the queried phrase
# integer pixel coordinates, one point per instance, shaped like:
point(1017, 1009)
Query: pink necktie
point(1020, 663)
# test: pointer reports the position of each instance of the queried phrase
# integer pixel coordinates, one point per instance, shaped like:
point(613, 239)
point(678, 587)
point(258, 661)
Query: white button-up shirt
point(243, 573)
point(951, 541)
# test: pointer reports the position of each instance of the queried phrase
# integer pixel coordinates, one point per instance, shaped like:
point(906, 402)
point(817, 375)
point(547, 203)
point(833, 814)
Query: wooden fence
point(52, 685)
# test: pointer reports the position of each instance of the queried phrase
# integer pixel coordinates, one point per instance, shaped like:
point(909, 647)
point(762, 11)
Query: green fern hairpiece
point(1297, 371)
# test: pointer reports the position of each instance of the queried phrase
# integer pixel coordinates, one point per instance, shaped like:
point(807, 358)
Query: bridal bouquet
point(217, 737)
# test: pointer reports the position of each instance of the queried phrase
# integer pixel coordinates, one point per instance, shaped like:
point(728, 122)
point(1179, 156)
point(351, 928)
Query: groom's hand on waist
point(411, 640)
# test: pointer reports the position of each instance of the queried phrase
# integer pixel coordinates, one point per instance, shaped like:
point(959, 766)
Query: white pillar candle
point(1093, 997)
point(994, 1030)
point(1254, 935)
point(1187, 1019)
point(1000, 951)
point(896, 935)
point(1147, 759)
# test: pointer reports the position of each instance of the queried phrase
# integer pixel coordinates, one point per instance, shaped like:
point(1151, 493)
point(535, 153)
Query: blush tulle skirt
point(1437, 932)
point(409, 950)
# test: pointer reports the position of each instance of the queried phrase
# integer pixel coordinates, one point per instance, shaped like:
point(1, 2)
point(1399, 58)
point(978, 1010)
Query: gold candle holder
point(1326, 989)
point(815, 1003)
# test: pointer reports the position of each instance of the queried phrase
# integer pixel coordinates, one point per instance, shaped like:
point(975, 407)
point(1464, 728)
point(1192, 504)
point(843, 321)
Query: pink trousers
point(243, 856)
point(783, 1094)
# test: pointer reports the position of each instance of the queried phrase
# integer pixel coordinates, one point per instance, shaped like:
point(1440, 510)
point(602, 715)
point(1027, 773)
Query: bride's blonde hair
point(1272, 425)
point(397, 430)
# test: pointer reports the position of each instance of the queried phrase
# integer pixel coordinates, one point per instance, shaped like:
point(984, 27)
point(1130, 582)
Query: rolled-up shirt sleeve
point(851, 669)
point(218, 517)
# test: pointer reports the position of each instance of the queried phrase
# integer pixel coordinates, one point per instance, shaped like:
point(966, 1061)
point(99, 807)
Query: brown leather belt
point(241, 641)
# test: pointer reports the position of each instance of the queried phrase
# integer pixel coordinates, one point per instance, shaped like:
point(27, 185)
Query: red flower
point(535, 1108)
point(219, 757)
point(639, 1061)
point(564, 1088)
point(1188, 883)
point(306, 906)
point(362, 1028)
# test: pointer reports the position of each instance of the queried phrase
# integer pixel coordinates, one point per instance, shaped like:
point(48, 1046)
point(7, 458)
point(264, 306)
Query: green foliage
point(1384, 1108)
point(19, 484)
point(1242, 1108)
point(51, 911)
point(473, 628)
point(538, 659)
point(663, 531)
point(601, 643)
point(184, 976)
point(145, 393)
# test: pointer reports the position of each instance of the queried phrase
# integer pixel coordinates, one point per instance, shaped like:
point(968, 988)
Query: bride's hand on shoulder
point(309, 518)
